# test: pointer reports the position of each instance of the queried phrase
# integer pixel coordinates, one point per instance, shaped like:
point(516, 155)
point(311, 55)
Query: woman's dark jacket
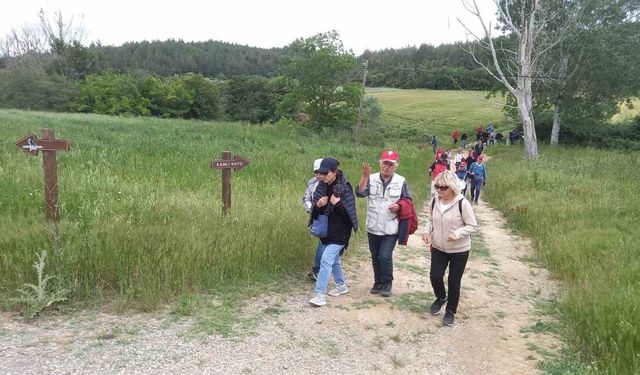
point(342, 216)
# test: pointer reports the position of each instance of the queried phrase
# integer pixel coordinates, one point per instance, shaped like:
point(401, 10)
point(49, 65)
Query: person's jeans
point(476, 187)
point(456, 262)
point(381, 248)
point(329, 264)
point(318, 259)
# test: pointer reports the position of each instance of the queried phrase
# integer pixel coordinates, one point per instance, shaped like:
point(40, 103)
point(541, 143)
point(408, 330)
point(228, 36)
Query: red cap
point(389, 156)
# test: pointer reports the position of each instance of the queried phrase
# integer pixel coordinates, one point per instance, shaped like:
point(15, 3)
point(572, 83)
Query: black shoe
point(448, 319)
point(437, 305)
point(386, 289)
point(313, 276)
point(376, 288)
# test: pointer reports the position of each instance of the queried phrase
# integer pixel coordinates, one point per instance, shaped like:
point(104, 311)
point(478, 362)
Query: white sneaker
point(318, 300)
point(339, 290)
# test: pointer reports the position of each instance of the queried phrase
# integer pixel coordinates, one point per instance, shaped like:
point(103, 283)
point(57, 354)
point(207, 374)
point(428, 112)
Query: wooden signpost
point(227, 163)
point(49, 146)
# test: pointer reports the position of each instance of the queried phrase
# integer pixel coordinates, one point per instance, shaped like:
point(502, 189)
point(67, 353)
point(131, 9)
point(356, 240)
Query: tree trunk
point(555, 130)
point(528, 126)
point(525, 92)
point(557, 111)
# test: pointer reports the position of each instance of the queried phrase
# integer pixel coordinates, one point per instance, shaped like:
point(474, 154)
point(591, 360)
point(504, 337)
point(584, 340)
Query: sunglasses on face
point(322, 173)
point(441, 188)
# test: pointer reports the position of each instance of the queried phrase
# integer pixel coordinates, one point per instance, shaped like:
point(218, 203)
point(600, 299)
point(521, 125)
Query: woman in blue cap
point(333, 196)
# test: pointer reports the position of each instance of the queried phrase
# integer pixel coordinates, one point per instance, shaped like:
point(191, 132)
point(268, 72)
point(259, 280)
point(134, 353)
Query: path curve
point(356, 333)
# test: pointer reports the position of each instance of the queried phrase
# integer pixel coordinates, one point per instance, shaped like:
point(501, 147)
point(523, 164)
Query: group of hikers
point(330, 199)
point(488, 136)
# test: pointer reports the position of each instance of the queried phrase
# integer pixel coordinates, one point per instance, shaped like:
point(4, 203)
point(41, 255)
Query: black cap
point(328, 164)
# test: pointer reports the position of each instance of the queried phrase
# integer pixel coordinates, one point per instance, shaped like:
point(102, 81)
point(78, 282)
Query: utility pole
point(364, 82)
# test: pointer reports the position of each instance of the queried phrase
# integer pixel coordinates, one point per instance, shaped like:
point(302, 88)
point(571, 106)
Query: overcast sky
point(372, 24)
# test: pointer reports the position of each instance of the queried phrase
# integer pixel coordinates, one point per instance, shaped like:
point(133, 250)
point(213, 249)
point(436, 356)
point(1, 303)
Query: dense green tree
point(253, 98)
point(589, 74)
point(31, 87)
point(111, 94)
point(326, 89)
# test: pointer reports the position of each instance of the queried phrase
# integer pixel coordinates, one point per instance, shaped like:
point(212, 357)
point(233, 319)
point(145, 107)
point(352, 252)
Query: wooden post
point(227, 163)
point(364, 82)
point(31, 145)
point(226, 183)
point(50, 166)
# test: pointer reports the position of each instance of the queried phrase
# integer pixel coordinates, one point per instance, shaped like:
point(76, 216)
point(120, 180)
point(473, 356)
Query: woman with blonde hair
point(448, 234)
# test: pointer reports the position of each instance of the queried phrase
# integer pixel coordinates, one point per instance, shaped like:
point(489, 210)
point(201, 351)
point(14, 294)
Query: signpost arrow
point(48, 145)
point(31, 144)
point(227, 163)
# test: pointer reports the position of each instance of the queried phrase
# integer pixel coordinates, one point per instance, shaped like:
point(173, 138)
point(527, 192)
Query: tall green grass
point(581, 209)
point(418, 114)
point(141, 209)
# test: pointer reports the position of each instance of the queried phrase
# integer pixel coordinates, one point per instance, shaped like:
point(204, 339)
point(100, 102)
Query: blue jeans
point(475, 191)
point(381, 248)
point(318, 259)
point(329, 264)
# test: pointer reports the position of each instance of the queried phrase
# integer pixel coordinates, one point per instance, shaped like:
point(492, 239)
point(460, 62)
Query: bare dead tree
point(515, 68)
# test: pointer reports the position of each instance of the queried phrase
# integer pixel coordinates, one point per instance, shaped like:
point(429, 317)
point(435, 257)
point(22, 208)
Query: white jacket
point(440, 224)
point(380, 220)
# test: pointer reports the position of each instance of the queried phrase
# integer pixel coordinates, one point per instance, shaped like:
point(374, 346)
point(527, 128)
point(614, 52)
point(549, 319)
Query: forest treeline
point(313, 79)
point(447, 66)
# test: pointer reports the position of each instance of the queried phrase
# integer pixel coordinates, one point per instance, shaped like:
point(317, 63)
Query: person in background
point(458, 159)
point(478, 148)
point(307, 202)
point(434, 143)
point(448, 234)
point(463, 140)
point(471, 158)
point(333, 196)
point(456, 133)
point(382, 190)
point(438, 166)
point(479, 173)
point(489, 128)
point(461, 172)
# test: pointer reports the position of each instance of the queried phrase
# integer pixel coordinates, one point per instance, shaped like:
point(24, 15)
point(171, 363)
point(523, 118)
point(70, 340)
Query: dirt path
point(358, 333)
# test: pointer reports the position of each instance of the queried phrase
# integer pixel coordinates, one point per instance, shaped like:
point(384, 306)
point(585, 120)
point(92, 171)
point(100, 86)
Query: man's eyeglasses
point(387, 164)
point(322, 173)
point(441, 188)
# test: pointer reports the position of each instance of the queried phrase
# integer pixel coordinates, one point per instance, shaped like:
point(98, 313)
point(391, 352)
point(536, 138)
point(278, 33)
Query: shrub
point(30, 87)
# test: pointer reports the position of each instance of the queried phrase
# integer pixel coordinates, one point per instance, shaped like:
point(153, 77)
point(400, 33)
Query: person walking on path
point(478, 148)
point(479, 173)
point(434, 143)
point(383, 190)
point(448, 235)
point(461, 172)
point(307, 202)
point(458, 158)
point(334, 197)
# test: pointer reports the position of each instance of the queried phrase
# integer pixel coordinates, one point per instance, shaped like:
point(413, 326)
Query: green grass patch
point(416, 302)
point(420, 113)
point(141, 209)
point(581, 211)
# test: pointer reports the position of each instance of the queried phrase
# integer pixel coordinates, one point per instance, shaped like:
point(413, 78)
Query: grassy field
point(418, 114)
point(580, 208)
point(141, 211)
